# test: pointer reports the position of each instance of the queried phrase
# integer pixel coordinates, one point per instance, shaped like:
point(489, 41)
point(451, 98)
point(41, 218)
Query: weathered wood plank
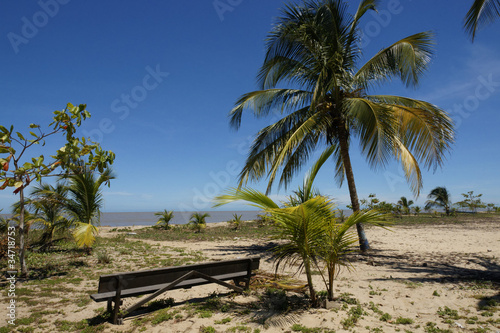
point(114, 287)
point(131, 280)
point(101, 297)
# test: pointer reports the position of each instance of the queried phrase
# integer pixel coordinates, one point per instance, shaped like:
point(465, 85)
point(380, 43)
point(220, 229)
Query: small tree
point(164, 219)
point(417, 210)
point(310, 233)
point(18, 175)
point(471, 201)
point(405, 205)
point(84, 204)
point(490, 207)
point(235, 222)
point(198, 221)
point(49, 213)
point(439, 197)
point(372, 201)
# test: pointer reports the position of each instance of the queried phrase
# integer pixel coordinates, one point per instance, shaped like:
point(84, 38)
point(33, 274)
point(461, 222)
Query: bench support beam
point(168, 287)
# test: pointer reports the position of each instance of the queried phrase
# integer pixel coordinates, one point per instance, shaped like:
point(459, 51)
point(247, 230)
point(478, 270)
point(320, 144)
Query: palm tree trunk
point(331, 277)
point(307, 267)
point(344, 151)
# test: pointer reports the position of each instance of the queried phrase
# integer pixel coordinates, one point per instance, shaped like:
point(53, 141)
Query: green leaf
point(18, 184)
point(34, 126)
point(28, 166)
point(20, 136)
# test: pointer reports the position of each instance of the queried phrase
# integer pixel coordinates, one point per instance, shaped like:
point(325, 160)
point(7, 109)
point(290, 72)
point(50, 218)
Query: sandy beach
point(416, 278)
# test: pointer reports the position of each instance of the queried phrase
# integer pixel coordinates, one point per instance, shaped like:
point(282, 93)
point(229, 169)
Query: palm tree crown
point(198, 221)
point(439, 197)
point(84, 203)
point(49, 213)
point(164, 218)
point(314, 49)
point(405, 204)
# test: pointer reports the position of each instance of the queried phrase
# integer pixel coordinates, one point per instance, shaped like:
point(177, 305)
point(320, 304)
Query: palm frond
point(426, 130)
point(262, 102)
point(407, 59)
point(85, 234)
point(269, 144)
point(481, 13)
point(253, 197)
point(374, 123)
point(410, 166)
point(307, 185)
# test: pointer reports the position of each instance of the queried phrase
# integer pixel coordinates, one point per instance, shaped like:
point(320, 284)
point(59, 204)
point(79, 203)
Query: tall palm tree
point(481, 13)
point(84, 204)
point(405, 204)
point(439, 197)
point(314, 49)
point(47, 202)
point(164, 218)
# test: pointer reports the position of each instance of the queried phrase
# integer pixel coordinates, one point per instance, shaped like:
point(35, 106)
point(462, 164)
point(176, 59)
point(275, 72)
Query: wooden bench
point(114, 287)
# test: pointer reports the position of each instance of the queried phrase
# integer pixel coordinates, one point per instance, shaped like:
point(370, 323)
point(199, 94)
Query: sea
point(126, 219)
point(180, 217)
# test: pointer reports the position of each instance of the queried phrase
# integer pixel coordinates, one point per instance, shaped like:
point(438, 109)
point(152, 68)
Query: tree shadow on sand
point(467, 271)
point(437, 268)
point(423, 268)
point(273, 308)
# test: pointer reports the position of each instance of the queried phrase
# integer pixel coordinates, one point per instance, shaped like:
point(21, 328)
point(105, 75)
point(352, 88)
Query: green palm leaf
point(407, 59)
point(481, 13)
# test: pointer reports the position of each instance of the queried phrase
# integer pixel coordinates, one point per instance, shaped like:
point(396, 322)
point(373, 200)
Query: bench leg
point(247, 283)
point(110, 306)
point(118, 302)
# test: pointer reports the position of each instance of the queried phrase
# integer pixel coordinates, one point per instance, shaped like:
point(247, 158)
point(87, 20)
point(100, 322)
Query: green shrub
point(404, 321)
point(223, 321)
point(448, 313)
point(161, 317)
point(385, 317)
point(161, 304)
point(207, 329)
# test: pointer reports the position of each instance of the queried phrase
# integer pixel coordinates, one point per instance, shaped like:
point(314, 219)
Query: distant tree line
point(438, 198)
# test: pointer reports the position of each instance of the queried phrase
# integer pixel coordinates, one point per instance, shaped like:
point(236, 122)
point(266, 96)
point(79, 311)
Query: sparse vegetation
point(70, 270)
point(404, 321)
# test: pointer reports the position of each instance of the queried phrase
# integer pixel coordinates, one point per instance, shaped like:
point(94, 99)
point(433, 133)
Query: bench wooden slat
point(114, 287)
point(102, 297)
point(132, 280)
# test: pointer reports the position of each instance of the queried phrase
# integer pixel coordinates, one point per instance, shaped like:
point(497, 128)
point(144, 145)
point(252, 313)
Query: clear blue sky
point(160, 77)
